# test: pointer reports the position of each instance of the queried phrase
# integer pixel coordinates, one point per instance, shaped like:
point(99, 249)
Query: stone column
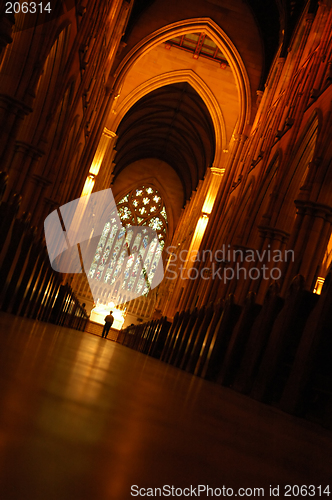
point(7, 22)
point(273, 239)
point(103, 160)
point(309, 241)
point(99, 179)
point(12, 112)
point(32, 195)
point(24, 157)
point(3, 184)
point(199, 285)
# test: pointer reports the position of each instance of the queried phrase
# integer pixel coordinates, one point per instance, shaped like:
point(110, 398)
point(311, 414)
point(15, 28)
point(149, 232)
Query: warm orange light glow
point(101, 150)
point(319, 285)
point(196, 240)
point(201, 226)
point(215, 181)
point(88, 186)
point(95, 166)
point(100, 310)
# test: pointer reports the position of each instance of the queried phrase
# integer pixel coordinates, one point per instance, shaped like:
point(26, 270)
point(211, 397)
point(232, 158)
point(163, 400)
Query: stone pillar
point(24, 157)
point(96, 180)
point(3, 184)
point(309, 241)
point(273, 239)
point(12, 112)
point(103, 160)
point(7, 22)
point(33, 193)
point(214, 183)
point(199, 285)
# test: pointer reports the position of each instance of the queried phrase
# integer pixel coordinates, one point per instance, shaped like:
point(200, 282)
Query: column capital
point(240, 137)
point(40, 180)
point(29, 149)
point(314, 209)
point(19, 107)
point(259, 94)
point(217, 171)
point(273, 233)
point(109, 133)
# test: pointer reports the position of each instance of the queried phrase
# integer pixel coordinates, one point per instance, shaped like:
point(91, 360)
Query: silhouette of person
point(108, 323)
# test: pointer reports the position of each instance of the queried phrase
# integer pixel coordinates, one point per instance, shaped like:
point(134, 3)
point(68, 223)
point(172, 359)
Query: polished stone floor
point(84, 418)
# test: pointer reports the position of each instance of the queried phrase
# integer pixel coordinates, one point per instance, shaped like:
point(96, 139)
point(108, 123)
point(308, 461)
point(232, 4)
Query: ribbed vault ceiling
point(171, 124)
point(271, 16)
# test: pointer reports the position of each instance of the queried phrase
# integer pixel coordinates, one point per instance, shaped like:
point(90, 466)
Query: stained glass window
point(124, 199)
point(126, 258)
point(144, 207)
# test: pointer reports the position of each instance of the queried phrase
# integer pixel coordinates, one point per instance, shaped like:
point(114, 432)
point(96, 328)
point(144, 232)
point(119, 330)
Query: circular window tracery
point(144, 206)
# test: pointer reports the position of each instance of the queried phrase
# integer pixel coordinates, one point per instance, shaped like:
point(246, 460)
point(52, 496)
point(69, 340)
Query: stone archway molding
point(220, 38)
point(198, 85)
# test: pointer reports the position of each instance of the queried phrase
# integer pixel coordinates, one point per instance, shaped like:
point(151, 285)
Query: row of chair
point(279, 352)
point(29, 287)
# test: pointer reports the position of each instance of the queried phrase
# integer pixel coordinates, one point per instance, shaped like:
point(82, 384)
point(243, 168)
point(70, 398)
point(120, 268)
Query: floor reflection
point(82, 417)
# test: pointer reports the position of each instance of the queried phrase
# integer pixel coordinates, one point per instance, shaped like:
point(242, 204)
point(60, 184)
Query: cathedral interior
point(210, 122)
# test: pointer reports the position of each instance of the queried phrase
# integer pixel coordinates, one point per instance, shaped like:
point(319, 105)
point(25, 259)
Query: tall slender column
point(25, 156)
point(214, 183)
point(7, 22)
point(273, 239)
point(104, 159)
point(96, 177)
point(310, 241)
point(12, 112)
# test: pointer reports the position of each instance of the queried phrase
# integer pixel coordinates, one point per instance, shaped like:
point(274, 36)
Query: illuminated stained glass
point(124, 212)
point(145, 241)
point(156, 223)
point(115, 262)
point(100, 257)
point(140, 283)
point(144, 206)
point(125, 199)
point(106, 228)
point(122, 232)
point(92, 270)
point(163, 213)
point(136, 243)
point(127, 272)
point(130, 234)
point(112, 236)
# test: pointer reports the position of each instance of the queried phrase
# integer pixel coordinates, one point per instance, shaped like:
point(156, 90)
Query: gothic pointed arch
point(202, 89)
point(173, 125)
point(219, 37)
